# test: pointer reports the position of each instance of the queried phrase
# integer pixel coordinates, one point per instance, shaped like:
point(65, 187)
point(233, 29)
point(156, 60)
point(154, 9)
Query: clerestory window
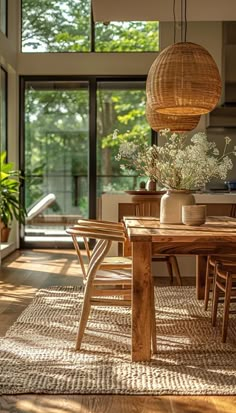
point(67, 26)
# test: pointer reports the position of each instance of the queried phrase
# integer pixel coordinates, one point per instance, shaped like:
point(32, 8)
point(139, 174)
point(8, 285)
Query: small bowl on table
point(194, 215)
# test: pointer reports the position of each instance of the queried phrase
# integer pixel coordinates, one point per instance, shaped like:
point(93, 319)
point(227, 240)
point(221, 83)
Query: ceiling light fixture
point(184, 78)
point(158, 121)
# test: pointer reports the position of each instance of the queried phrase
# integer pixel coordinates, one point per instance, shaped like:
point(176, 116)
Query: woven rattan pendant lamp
point(158, 121)
point(183, 79)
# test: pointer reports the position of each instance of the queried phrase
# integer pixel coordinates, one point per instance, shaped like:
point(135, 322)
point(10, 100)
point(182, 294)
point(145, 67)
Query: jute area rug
point(37, 354)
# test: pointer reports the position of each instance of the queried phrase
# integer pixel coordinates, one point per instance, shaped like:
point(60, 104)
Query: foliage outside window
point(56, 145)
point(56, 26)
point(127, 37)
point(65, 26)
point(122, 109)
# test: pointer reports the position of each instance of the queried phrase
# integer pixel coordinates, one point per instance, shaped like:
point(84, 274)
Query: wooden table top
point(150, 229)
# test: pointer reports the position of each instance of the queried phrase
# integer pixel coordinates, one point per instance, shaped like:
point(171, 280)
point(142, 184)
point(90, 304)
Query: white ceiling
point(162, 10)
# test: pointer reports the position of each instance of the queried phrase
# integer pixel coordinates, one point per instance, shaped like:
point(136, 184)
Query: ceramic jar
point(194, 214)
point(171, 205)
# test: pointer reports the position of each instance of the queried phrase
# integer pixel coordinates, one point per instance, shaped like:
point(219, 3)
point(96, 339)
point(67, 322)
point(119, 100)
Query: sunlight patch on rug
point(37, 354)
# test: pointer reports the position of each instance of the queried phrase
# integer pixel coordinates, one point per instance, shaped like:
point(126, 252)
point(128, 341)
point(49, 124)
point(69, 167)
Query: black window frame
point(6, 20)
point(92, 164)
point(6, 110)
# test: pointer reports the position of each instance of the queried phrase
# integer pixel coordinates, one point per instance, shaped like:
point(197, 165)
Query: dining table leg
point(141, 299)
point(201, 263)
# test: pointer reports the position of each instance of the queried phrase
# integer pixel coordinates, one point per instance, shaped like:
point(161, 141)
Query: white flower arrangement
point(176, 164)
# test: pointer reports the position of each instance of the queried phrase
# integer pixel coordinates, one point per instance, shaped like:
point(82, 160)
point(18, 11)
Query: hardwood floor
point(22, 274)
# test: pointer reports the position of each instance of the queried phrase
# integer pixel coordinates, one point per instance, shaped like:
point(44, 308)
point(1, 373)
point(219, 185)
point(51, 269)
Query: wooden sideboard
point(149, 205)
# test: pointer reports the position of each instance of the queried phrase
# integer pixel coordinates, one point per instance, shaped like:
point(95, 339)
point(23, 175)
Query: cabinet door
point(221, 209)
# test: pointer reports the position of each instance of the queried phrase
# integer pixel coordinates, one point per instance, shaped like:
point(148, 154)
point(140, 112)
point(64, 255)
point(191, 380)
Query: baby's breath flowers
point(177, 164)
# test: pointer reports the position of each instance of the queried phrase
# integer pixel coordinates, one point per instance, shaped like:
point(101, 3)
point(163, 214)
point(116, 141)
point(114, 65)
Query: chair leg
point(216, 293)
point(208, 281)
point(153, 321)
point(170, 270)
point(228, 287)
point(83, 318)
point(175, 269)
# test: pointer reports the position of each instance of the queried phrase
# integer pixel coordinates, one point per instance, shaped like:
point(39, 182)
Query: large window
point(67, 26)
point(3, 110)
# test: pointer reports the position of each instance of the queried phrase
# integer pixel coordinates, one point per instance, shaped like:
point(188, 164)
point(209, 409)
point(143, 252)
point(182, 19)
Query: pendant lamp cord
point(184, 23)
point(183, 20)
point(174, 18)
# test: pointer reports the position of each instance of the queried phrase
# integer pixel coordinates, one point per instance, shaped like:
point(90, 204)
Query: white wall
point(208, 34)
point(162, 10)
point(84, 63)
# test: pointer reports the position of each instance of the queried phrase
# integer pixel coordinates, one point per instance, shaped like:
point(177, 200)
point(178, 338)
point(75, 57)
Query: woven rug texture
point(37, 354)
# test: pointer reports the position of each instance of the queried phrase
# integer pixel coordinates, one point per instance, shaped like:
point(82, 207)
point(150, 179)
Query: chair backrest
point(99, 234)
point(103, 224)
point(99, 224)
point(100, 251)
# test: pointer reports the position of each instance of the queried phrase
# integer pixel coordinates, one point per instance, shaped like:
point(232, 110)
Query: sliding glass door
point(56, 143)
point(69, 152)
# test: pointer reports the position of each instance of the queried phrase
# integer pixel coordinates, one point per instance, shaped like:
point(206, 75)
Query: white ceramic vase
point(171, 205)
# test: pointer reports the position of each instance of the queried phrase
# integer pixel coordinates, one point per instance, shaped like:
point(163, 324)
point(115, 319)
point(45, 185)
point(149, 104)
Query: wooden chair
point(225, 282)
point(102, 287)
point(212, 261)
point(111, 262)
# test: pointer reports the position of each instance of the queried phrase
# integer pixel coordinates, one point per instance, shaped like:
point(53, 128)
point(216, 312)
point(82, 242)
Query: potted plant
point(10, 205)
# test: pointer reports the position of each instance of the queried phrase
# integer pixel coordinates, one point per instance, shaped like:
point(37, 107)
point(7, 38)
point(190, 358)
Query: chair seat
point(112, 277)
point(124, 262)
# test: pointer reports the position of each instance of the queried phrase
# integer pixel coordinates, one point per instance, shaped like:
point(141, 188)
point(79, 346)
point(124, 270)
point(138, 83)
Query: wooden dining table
point(149, 238)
